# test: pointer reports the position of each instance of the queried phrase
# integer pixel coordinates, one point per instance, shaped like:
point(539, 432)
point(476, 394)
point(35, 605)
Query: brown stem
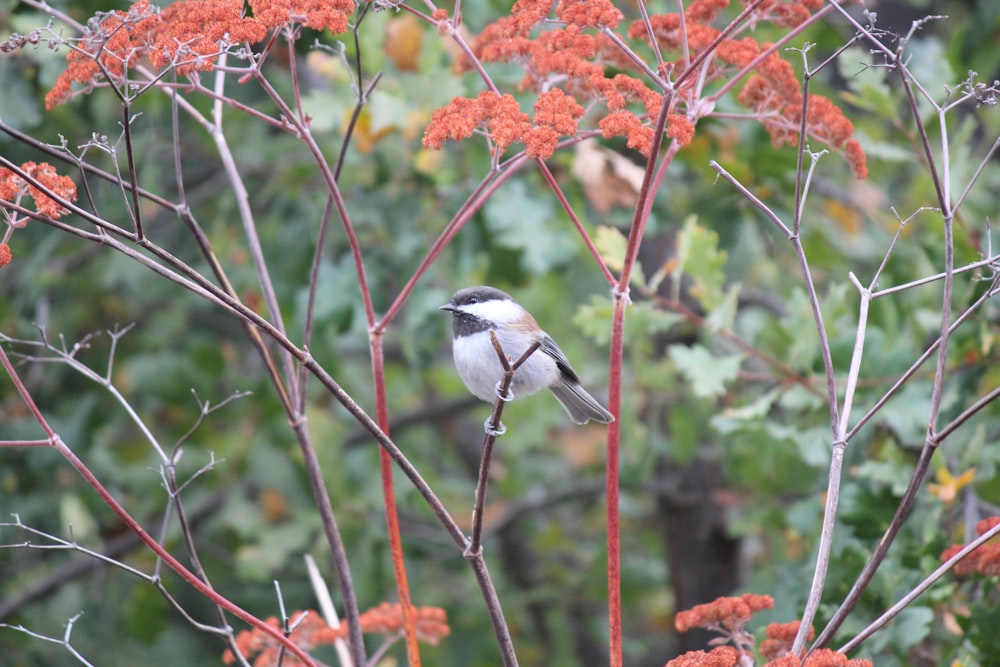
point(494, 429)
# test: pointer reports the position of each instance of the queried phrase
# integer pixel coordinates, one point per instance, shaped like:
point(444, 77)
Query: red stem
point(650, 182)
point(611, 483)
point(472, 204)
point(389, 496)
point(594, 252)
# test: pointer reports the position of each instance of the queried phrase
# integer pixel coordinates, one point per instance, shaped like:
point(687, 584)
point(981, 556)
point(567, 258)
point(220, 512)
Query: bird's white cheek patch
point(493, 311)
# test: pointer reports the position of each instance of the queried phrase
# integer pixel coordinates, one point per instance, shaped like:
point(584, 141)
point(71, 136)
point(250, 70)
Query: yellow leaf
point(948, 485)
point(404, 36)
point(364, 139)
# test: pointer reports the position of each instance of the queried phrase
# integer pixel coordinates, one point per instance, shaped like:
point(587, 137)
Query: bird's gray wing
point(550, 348)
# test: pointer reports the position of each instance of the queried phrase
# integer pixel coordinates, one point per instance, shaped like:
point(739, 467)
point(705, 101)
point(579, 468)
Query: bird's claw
point(509, 396)
point(495, 432)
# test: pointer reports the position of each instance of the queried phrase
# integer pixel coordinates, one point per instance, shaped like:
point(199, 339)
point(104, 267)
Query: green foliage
point(699, 258)
point(706, 374)
point(722, 364)
point(981, 618)
point(541, 245)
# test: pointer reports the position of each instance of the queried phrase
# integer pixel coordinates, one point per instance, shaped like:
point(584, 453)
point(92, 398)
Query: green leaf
point(643, 321)
point(721, 317)
point(592, 319)
point(337, 307)
point(76, 517)
point(707, 374)
point(326, 110)
point(906, 415)
point(699, 257)
point(871, 93)
point(909, 628)
point(814, 445)
point(612, 244)
point(891, 474)
point(388, 110)
point(522, 221)
point(927, 55)
point(980, 626)
point(17, 104)
point(146, 607)
point(755, 409)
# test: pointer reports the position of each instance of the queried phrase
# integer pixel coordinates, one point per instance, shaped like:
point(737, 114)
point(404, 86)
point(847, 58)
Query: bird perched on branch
point(478, 310)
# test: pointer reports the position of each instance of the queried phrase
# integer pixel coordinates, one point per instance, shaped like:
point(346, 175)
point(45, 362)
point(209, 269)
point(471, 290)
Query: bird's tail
point(579, 405)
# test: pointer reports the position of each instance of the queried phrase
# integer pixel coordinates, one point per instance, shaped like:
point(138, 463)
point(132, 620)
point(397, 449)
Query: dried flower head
point(575, 45)
point(431, 623)
point(311, 631)
point(188, 36)
point(192, 34)
point(822, 657)
point(985, 559)
point(726, 613)
point(14, 187)
point(499, 117)
point(722, 656)
point(111, 44)
point(984, 526)
point(329, 15)
point(779, 639)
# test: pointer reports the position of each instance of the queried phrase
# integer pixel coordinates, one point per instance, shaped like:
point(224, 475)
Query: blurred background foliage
point(726, 444)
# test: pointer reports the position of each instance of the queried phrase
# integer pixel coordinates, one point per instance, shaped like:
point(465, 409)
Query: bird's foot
point(495, 432)
point(509, 396)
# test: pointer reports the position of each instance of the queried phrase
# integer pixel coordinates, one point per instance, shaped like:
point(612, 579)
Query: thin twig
point(133, 525)
point(64, 641)
point(495, 428)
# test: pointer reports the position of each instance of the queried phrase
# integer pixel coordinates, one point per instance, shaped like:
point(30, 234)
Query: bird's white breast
point(480, 369)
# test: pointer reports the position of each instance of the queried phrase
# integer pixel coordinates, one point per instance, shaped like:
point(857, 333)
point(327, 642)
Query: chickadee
point(477, 310)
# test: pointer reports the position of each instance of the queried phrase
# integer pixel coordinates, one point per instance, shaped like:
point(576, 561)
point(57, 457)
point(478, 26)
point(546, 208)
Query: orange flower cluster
point(107, 46)
point(725, 613)
point(431, 623)
point(526, 14)
point(722, 656)
point(640, 134)
point(329, 15)
point(13, 188)
point(597, 67)
point(983, 560)
point(575, 58)
point(191, 34)
point(670, 31)
point(188, 35)
point(310, 633)
point(501, 118)
point(821, 657)
point(431, 627)
point(774, 94)
point(779, 639)
point(730, 615)
point(5, 255)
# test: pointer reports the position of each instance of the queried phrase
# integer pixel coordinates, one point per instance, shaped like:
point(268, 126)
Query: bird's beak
point(448, 306)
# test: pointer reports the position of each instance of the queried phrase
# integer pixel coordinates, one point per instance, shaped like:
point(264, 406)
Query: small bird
point(477, 310)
